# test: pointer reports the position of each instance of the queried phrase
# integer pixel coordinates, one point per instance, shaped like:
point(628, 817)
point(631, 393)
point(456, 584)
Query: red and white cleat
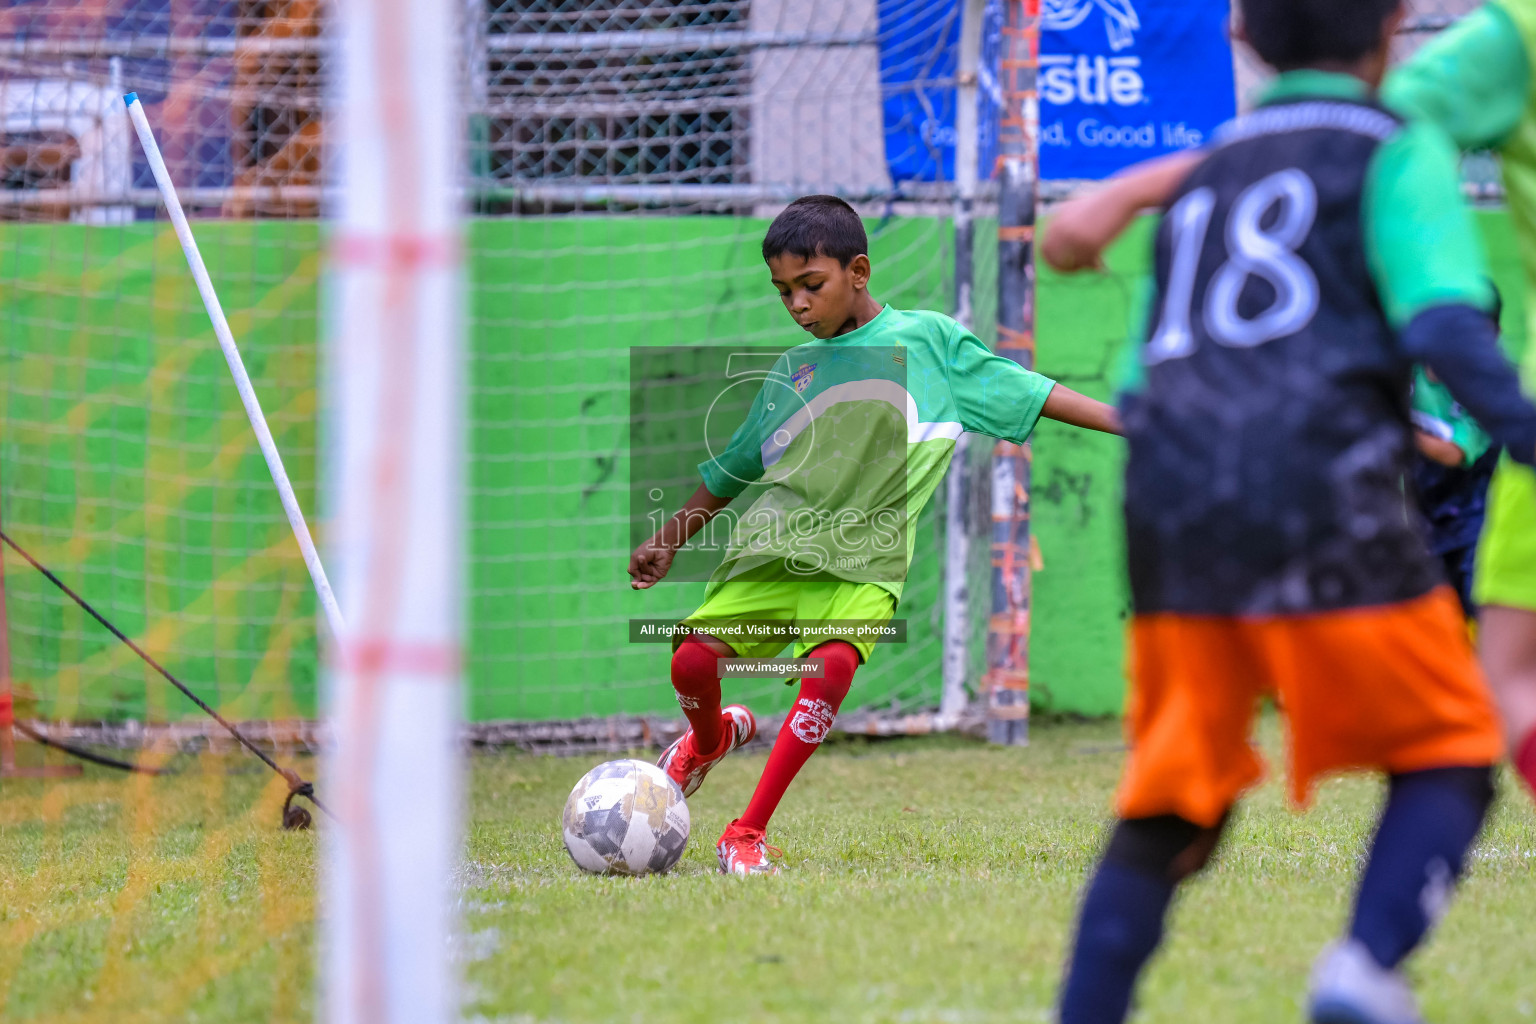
point(743, 851)
point(687, 767)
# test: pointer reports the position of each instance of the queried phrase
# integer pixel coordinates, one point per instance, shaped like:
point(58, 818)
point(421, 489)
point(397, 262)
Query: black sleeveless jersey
point(1269, 445)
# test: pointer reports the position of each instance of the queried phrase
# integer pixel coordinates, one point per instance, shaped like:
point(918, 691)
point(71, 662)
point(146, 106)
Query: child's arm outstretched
point(1069, 406)
point(1077, 235)
point(728, 473)
point(996, 396)
point(651, 560)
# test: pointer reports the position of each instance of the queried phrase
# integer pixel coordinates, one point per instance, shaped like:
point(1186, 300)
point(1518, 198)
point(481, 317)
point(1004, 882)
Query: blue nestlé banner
point(919, 54)
point(1124, 80)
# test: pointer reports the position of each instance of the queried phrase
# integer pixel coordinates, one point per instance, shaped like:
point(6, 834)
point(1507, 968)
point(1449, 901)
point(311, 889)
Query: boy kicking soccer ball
point(849, 435)
point(1315, 253)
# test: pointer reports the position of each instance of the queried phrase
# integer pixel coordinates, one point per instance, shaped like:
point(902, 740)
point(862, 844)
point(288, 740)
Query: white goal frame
point(396, 406)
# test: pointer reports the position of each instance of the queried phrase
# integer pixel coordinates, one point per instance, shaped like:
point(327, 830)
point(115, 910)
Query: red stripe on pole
point(397, 251)
point(382, 654)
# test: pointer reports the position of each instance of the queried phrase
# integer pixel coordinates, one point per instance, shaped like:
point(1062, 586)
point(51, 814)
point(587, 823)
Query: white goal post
point(396, 404)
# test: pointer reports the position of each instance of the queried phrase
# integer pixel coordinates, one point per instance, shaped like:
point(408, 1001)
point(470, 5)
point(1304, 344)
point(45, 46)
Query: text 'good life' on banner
point(1124, 80)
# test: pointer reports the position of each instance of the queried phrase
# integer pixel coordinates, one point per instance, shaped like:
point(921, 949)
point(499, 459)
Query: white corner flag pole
point(236, 367)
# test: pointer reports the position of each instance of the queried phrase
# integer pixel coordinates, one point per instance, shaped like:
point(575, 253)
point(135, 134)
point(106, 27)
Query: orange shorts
point(1394, 687)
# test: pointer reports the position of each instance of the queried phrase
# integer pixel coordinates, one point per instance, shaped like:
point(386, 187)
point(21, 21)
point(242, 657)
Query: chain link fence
point(596, 134)
point(718, 104)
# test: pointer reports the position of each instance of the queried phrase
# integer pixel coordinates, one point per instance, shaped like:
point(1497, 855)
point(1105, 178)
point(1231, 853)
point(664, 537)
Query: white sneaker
point(1349, 987)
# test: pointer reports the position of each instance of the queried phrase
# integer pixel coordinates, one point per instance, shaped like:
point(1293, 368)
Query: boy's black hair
point(1290, 34)
point(817, 226)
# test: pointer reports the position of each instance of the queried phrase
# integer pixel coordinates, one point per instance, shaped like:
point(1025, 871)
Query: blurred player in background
point(1475, 82)
point(1452, 473)
point(887, 392)
point(1450, 479)
point(1309, 259)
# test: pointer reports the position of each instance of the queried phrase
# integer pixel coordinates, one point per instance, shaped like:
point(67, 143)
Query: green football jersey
point(1475, 82)
point(847, 440)
point(1439, 415)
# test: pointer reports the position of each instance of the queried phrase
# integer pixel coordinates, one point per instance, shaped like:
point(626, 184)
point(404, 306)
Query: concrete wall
point(816, 116)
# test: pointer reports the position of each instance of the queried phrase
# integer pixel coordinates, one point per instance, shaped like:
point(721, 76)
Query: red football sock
point(808, 723)
point(1525, 760)
point(697, 683)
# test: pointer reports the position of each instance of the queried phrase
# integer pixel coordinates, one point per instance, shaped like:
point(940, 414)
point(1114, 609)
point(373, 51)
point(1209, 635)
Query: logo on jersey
point(1120, 19)
point(803, 376)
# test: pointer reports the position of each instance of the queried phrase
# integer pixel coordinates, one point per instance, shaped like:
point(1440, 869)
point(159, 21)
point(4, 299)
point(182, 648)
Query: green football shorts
point(807, 603)
point(1506, 554)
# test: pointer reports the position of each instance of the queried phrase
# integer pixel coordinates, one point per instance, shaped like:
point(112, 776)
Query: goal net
point(126, 462)
point(622, 161)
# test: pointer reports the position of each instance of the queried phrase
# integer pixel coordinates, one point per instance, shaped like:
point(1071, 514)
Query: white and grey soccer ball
point(626, 818)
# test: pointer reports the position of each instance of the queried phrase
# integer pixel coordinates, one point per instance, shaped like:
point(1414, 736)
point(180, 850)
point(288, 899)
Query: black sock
point(1431, 819)
point(1121, 925)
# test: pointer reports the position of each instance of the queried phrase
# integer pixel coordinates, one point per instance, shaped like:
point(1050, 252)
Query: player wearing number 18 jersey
point(1317, 252)
point(1474, 82)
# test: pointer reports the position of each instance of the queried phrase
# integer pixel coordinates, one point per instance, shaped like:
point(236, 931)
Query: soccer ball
point(625, 818)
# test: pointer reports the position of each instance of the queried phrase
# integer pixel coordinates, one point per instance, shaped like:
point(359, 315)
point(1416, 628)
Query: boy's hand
point(1077, 235)
point(650, 563)
point(652, 559)
point(1447, 453)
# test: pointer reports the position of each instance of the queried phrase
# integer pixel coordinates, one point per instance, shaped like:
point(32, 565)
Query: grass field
point(927, 880)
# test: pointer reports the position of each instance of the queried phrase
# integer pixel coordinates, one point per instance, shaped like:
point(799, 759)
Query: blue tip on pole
point(128, 99)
